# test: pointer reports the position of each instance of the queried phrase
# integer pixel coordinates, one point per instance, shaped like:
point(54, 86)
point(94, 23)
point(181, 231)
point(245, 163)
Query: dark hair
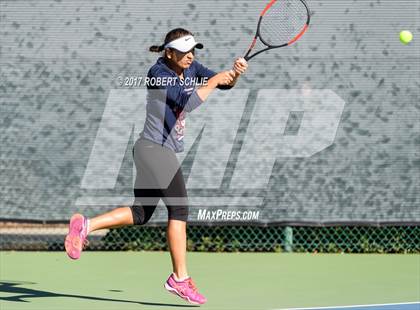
point(170, 36)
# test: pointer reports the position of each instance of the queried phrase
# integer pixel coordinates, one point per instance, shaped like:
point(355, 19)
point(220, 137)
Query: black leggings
point(159, 176)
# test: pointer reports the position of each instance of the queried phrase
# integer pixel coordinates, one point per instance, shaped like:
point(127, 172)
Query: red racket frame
point(269, 47)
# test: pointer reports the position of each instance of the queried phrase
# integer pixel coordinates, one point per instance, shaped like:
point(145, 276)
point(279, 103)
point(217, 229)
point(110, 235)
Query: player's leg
point(176, 200)
point(177, 241)
point(121, 216)
point(80, 226)
point(146, 200)
point(137, 214)
point(166, 174)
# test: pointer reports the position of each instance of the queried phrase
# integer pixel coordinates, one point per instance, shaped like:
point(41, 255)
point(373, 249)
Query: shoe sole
point(73, 242)
point(170, 289)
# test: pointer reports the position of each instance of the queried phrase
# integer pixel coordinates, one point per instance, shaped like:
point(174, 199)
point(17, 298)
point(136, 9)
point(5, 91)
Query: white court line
point(353, 306)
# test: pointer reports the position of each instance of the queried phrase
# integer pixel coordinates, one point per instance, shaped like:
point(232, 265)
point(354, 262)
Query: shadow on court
point(23, 293)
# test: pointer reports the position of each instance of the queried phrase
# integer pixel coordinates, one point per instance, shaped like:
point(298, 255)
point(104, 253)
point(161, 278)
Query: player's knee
point(140, 215)
point(179, 213)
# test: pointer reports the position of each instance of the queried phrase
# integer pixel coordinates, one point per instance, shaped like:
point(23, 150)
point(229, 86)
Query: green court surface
point(134, 280)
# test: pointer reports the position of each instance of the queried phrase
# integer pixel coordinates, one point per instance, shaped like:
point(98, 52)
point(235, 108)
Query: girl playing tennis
point(159, 174)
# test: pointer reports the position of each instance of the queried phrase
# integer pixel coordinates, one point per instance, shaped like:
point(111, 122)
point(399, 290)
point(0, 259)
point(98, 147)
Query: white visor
point(184, 44)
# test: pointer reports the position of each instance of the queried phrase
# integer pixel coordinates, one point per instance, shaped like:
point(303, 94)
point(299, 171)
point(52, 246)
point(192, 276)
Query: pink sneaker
point(76, 238)
point(185, 289)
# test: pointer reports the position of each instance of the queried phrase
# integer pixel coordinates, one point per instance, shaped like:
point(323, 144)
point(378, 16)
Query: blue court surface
point(396, 306)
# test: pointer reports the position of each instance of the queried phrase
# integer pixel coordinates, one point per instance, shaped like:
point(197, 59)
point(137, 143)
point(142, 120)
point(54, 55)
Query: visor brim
point(189, 48)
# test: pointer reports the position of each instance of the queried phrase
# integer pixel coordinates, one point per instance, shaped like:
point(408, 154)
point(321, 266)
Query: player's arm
point(239, 67)
point(175, 96)
point(221, 79)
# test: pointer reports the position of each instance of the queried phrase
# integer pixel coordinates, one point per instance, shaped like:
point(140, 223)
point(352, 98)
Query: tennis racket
point(281, 23)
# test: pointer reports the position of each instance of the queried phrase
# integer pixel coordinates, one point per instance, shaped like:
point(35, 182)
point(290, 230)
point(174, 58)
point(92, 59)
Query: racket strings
point(283, 21)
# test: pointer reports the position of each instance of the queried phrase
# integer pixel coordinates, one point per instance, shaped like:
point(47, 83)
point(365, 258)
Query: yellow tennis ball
point(406, 36)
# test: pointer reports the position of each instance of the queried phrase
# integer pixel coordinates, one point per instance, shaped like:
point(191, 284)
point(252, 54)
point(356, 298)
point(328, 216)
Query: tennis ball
point(406, 36)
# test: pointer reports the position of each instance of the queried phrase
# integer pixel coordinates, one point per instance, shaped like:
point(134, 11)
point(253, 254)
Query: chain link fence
point(334, 239)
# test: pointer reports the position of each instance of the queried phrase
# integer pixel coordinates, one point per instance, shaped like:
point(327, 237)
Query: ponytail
point(156, 48)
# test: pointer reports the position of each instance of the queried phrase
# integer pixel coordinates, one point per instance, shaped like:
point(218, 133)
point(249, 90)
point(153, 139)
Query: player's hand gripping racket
point(281, 24)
